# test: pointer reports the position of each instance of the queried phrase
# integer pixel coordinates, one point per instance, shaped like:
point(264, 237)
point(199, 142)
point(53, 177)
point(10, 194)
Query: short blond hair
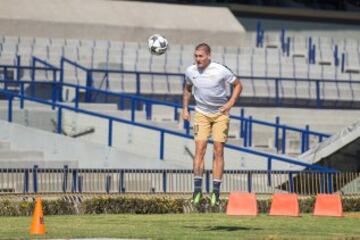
point(204, 46)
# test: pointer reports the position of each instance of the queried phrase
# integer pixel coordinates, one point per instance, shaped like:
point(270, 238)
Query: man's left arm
point(237, 89)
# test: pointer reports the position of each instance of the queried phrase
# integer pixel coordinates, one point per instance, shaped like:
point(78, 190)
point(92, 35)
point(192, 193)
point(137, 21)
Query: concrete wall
point(84, 154)
point(134, 142)
point(39, 119)
point(118, 20)
point(147, 143)
point(341, 151)
point(324, 120)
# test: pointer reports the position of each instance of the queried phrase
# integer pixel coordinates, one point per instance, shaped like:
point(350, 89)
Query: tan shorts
point(216, 124)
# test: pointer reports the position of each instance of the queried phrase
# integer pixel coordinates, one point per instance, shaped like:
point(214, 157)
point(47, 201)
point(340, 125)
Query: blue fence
point(275, 87)
point(64, 180)
point(315, 94)
point(162, 132)
point(246, 123)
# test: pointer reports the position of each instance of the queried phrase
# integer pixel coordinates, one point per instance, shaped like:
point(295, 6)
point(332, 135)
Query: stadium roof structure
point(118, 20)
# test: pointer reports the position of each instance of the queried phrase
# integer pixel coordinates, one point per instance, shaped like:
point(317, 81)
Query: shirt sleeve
point(229, 76)
point(188, 78)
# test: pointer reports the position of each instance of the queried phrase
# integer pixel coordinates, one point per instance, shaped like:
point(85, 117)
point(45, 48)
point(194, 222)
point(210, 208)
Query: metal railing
point(63, 180)
point(275, 83)
point(315, 86)
point(162, 131)
point(246, 123)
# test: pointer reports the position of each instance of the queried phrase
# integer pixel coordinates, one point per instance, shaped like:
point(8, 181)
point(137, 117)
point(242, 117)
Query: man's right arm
point(186, 100)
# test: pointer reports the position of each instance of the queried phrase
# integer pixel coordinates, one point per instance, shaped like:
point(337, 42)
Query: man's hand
point(236, 93)
point(185, 115)
point(226, 108)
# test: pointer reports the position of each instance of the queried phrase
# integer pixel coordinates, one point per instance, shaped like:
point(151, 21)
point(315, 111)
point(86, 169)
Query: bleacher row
point(247, 60)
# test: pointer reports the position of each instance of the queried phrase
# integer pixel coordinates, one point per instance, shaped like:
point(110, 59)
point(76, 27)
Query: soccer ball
point(157, 44)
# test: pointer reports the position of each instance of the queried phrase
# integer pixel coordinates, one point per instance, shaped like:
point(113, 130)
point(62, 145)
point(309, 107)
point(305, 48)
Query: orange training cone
point(284, 204)
point(38, 224)
point(242, 204)
point(328, 205)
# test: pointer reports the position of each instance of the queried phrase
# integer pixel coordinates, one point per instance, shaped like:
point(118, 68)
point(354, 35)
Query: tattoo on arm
point(186, 96)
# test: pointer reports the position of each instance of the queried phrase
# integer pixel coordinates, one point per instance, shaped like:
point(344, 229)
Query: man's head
point(202, 55)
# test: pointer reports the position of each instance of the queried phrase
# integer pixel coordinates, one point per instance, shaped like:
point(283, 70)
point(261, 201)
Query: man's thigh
point(220, 128)
point(201, 127)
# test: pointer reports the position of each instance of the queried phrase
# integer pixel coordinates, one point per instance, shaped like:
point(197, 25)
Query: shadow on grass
point(223, 228)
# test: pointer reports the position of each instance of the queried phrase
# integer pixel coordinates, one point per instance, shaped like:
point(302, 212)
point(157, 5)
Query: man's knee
point(200, 148)
point(219, 150)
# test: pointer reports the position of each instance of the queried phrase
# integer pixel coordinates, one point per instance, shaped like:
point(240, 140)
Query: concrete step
point(165, 114)
point(6, 155)
point(291, 152)
point(20, 163)
point(88, 106)
point(5, 145)
point(265, 149)
point(99, 106)
point(16, 104)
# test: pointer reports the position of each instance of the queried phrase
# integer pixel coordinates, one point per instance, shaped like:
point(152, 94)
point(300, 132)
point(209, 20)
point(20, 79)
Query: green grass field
point(187, 226)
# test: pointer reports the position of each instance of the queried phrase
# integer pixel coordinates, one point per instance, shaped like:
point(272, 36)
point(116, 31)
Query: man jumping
point(211, 114)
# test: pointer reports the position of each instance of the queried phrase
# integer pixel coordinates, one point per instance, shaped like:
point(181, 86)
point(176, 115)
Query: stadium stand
point(245, 60)
point(281, 67)
point(249, 62)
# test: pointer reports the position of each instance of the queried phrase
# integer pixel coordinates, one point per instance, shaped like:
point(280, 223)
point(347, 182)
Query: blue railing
point(275, 85)
point(315, 96)
point(285, 42)
point(76, 108)
point(246, 123)
point(63, 180)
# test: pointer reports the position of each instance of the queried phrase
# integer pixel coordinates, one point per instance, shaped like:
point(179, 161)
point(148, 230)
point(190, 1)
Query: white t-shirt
point(209, 86)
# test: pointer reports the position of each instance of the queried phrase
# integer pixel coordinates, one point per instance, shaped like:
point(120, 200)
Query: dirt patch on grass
point(353, 215)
